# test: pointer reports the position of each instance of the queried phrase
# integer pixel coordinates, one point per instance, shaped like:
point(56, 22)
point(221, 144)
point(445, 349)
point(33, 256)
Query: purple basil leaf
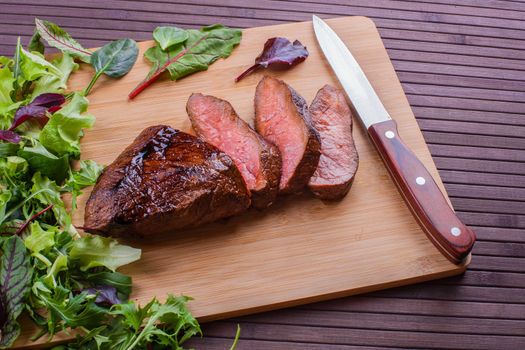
point(37, 109)
point(107, 295)
point(9, 136)
point(278, 53)
point(48, 100)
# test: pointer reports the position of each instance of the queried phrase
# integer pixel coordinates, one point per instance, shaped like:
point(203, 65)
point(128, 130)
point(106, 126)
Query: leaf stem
point(97, 75)
point(237, 336)
point(28, 221)
point(150, 80)
point(248, 71)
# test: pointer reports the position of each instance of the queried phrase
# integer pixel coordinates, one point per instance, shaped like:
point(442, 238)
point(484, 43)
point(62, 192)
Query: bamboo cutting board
point(301, 249)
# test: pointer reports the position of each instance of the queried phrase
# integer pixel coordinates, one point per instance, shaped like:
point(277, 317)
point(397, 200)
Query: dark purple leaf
point(278, 53)
point(25, 113)
point(9, 136)
point(106, 295)
point(48, 100)
point(37, 109)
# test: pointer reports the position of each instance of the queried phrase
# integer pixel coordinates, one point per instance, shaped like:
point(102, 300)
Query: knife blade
point(417, 187)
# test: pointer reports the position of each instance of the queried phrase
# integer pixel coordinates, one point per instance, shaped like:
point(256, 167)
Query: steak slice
point(164, 181)
point(339, 160)
point(215, 121)
point(282, 117)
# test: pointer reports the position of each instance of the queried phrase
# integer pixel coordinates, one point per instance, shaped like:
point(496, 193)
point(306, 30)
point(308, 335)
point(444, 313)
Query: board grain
point(301, 249)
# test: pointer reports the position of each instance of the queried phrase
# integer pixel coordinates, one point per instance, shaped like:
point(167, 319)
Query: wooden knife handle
point(421, 193)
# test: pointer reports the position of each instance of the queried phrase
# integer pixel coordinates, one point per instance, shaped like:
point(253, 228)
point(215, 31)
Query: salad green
point(61, 279)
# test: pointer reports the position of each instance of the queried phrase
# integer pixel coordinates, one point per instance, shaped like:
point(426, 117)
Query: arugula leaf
point(69, 310)
point(59, 38)
point(92, 251)
point(35, 44)
point(201, 48)
point(56, 83)
point(173, 313)
point(63, 131)
point(15, 275)
point(167, 37)
point(114, 59)
point(45, 162)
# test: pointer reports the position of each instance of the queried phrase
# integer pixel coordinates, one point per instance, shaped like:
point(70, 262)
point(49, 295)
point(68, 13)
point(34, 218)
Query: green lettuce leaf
point(7, 105)
point(48, 192)
point(15, 276)
point(13, 166)
point(92, 251)
point(63, 131)
point(45, 162)
point(33, 65)
point(39, 239)
point(60, 264)
point(86, 176)
point(8, 149)
point(53, 83)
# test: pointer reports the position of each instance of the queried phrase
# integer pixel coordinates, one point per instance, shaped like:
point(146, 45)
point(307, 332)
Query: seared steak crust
point(164, 181)
point(282, 117)
point(339, 160)
point(216, 122)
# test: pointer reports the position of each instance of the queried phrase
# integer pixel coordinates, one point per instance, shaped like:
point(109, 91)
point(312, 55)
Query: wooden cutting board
point(301, 249)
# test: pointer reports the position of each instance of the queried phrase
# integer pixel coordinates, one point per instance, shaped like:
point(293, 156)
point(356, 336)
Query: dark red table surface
point(462, 65)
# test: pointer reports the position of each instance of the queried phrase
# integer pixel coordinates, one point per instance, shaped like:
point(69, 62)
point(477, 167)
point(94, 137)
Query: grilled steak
point(164, 181)
point(215, 121)
point(282, 117)
point(338, 163)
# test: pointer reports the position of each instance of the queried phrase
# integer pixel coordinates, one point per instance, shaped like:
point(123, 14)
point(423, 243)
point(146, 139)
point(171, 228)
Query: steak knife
point(417, 187)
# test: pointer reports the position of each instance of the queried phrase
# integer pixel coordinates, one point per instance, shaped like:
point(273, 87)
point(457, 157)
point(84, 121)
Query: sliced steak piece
point(164, 181)
point(282, 117)
point(339, 160)
point(215, 121)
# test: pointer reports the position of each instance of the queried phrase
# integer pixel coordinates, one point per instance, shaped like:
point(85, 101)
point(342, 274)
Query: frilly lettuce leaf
point(34, 65)
point(62, 133)
point(7, 105)
point(39, 239)
point(52, 83)
point(92, 251)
